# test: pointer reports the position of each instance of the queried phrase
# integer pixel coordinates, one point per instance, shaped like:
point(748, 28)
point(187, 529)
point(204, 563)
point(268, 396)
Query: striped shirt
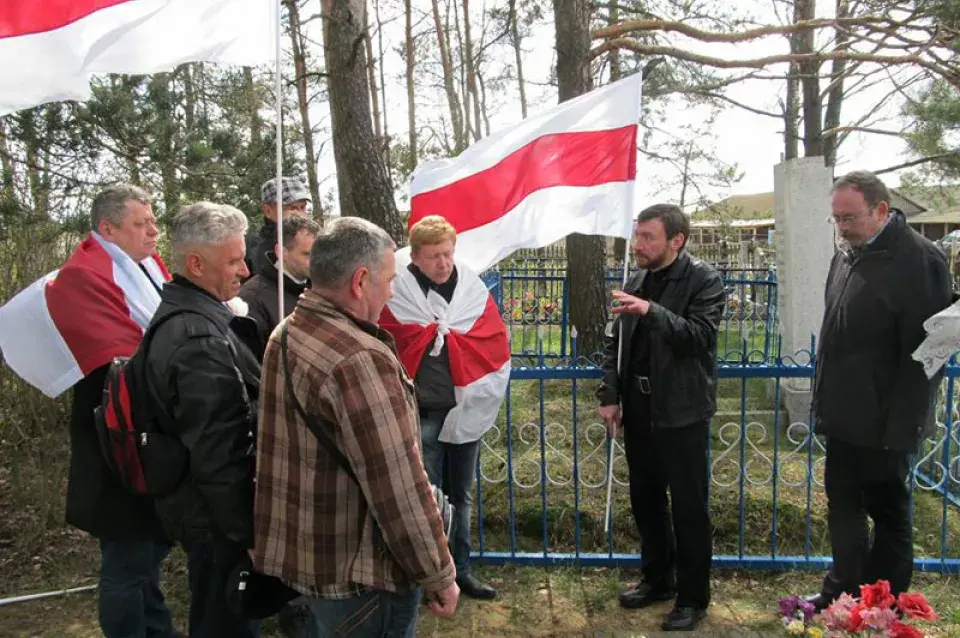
point(317, 529)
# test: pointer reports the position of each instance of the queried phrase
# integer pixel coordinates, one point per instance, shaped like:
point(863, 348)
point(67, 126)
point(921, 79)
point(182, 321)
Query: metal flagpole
point(623, 284)
point(49, 594)
point(278, 87)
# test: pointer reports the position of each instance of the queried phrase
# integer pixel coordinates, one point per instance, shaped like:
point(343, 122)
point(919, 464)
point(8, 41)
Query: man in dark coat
point(871, 400)
point(132, 542)
point(295, 200)
point(204, 384)
point(260, 292)
point(664, 391)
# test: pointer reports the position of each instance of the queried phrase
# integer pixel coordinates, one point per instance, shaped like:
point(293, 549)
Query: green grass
point(38, 553)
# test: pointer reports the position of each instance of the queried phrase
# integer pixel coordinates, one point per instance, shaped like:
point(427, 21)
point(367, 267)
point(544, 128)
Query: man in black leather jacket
point(871, 400)
point(204, 384)
point(665, 395)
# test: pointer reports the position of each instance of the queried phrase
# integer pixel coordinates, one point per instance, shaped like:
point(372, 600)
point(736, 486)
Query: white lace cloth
point(943, 340)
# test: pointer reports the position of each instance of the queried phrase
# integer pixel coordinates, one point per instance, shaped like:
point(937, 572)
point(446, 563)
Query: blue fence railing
point(535, 303)
point(542, 470)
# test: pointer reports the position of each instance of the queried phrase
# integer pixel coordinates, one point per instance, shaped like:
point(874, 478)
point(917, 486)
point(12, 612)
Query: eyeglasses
point(844, 220)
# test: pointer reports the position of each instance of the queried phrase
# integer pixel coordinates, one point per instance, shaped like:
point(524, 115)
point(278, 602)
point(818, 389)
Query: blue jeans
point(131, 603)
point(373, 614)
point(452, 467)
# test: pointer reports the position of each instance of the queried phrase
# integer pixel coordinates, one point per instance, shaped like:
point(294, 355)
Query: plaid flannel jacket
point(315, 528)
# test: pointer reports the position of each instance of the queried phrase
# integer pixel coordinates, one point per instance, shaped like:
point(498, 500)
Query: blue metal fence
point(541, 477)
point(535, 303)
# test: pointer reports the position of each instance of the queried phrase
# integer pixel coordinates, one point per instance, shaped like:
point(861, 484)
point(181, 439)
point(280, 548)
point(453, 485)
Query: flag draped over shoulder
point(49, 49)
point(476, 340)
point(571, 169)
point(77, 319)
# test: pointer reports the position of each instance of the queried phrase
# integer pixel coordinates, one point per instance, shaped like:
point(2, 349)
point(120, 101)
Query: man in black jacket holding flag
point(665, 393)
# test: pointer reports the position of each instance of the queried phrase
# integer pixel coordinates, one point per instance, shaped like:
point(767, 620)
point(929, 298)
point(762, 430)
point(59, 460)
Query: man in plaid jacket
point(359, 549)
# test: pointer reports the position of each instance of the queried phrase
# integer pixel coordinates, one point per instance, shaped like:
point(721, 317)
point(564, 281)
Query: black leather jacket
point(205, 394)
point(260, 293)
point(683, 345)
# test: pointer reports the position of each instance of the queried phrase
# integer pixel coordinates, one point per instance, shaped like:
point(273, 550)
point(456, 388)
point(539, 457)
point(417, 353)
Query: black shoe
point(683, 619)
point(644, 595)
point(472, 587)
point(819, 601)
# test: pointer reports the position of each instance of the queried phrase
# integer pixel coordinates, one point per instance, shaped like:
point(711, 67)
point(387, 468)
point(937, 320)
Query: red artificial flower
point(856, 620)
point(877, 595)
point(903, 630)
point(916, 606)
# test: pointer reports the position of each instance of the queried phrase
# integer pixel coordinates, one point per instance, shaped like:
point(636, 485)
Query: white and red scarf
point(477, 344)
point(77, 319)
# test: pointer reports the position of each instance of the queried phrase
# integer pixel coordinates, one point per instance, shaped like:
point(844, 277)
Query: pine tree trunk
point(831, 118)
point(471, 64)
point(303, 100)
point(518, 54)
point(810, 85)
point(383, 92)
point(584, 253)
point(453, 101)
point(361, 175)
point(411, 102)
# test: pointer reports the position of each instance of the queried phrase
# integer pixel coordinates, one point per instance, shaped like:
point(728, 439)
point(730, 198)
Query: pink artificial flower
point(837, 615)
point(878, 619)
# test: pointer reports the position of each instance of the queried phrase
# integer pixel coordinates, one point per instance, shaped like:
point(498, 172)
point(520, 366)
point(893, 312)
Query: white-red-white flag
point(75, 320)
point(571, 169)
point(476, 340)
point(49, 49)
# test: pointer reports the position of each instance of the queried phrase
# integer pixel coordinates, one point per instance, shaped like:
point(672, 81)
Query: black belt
point(642, 383)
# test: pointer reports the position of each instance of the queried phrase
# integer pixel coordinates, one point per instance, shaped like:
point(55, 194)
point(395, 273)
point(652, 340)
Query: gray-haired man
point(203, 385)
point(294, 197)
point(359, 544)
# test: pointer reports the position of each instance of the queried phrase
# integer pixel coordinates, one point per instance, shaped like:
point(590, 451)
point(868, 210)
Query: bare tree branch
point(836, 130)
point(666, 26)
point(951, 75)
point(917, 162)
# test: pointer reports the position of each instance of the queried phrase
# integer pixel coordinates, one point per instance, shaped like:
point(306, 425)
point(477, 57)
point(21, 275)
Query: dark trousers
point(209, 565)
point(452, 467)
point(863, 482)
point(131, 603)
point(676, 539)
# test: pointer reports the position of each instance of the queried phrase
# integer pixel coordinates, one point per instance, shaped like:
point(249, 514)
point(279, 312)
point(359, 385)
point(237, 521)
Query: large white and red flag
point(571, 169)
point(75, 320)
point(476, 340)
point(49, 49)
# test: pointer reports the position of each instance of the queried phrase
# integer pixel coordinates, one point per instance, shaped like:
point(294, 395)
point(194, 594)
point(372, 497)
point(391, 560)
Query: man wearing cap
point(295, 197)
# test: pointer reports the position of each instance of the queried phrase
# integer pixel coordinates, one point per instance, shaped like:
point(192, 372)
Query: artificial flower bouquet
point(875, 613)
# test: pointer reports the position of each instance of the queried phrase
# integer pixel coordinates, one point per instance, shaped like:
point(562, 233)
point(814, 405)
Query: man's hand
point(611, 416)
point(444, 603)
point(628, 304)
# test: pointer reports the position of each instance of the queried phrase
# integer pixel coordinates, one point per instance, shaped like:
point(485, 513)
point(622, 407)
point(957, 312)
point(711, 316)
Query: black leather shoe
point(819, 601)
point(472, 587)
point(683, 619)
point(644, 595)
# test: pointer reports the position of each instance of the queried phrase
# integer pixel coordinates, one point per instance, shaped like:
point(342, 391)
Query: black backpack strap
point(312, 423)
